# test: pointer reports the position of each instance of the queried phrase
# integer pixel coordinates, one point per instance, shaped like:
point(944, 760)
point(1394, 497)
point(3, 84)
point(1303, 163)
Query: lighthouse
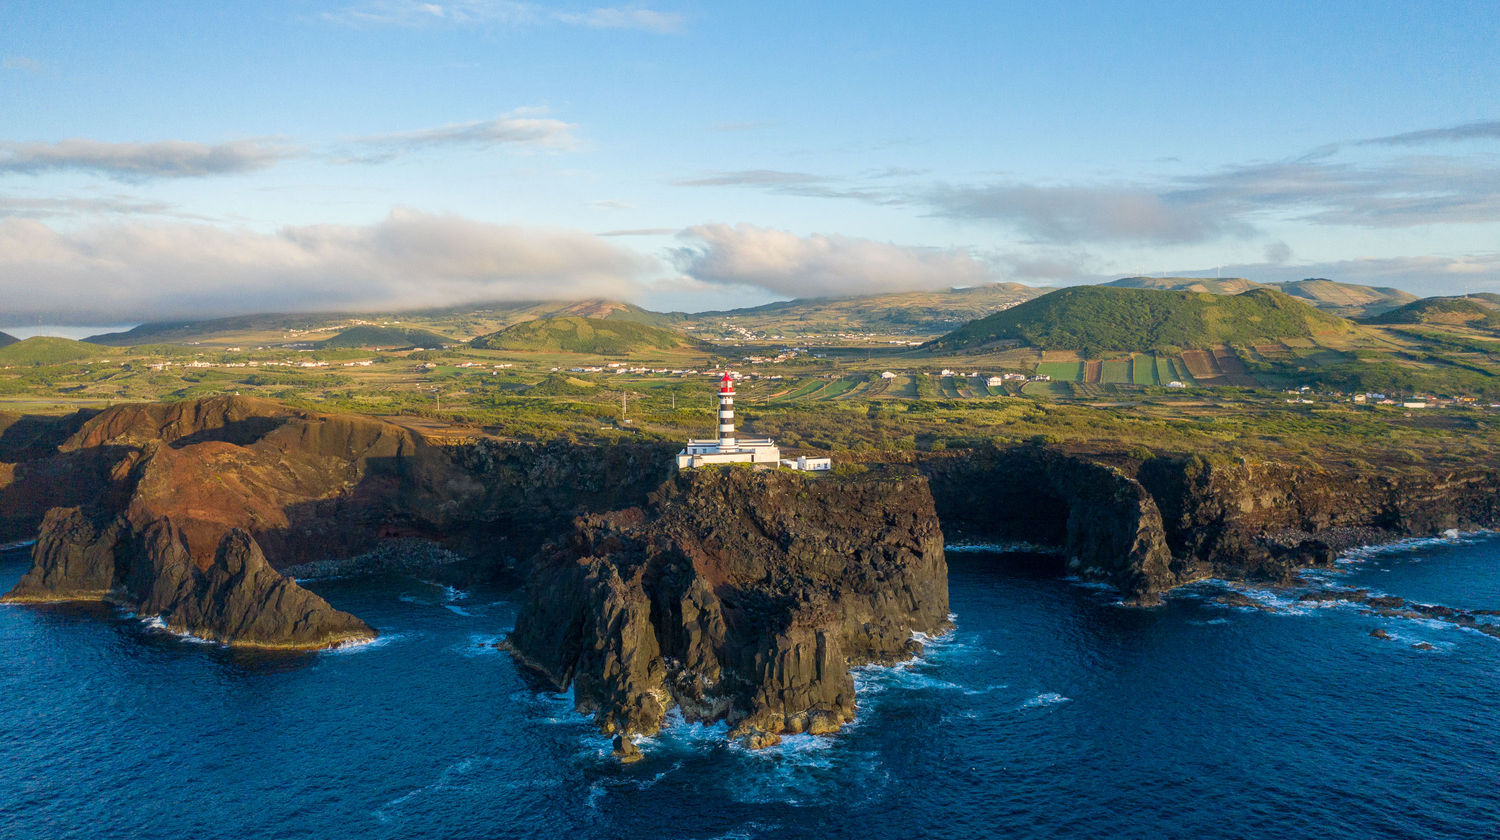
point(726, 448)
point(726, 412)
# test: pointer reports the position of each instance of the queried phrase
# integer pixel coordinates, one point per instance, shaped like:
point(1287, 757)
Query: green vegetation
point(573, 334)
point(47, 350)
point(1095, 320)
point(398, 338)
point(1455, 311)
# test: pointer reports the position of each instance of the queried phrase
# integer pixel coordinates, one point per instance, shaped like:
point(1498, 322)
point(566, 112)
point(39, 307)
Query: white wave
point(1452, 536)
point(363, 645)
point(155, 623)
point(17, 546)
point(1050, 698)
point(459, 610)
point(1014, 547)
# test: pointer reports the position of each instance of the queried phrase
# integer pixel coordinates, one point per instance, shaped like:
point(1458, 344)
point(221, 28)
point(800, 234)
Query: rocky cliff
point(737, 595)
point(188, 509)
point(1152, 526)
point(1104, 524)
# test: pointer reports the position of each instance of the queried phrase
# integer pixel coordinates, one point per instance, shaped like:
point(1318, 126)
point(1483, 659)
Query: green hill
point(1210, 285)
point(1096, 320)
point(7, 339)
point(1452, 311)
point(390, 338)
point(916, 313)
point(47, 350)
point(1350, 300)
point(572, 334)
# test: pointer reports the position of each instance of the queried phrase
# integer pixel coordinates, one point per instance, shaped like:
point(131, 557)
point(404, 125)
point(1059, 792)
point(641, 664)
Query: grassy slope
point(1094, 320)
point(1210, 285)
point(583, 335)
point(392, 337)
point(47, 350)
point(1348, 299)
point(899, 312)
point(6, 339)
point(1455, 311)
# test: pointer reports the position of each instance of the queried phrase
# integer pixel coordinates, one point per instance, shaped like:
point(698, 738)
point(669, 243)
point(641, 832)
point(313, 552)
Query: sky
point(185, 159)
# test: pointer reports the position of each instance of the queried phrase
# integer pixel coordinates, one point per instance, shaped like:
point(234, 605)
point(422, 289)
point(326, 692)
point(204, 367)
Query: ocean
point(1050, 711)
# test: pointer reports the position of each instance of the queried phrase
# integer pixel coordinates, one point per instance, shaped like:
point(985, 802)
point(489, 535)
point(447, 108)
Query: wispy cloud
point(32, 207)
point(640, 232)
point(794, 183)
point(414, 13)
point(1321, 187)
point(1469, 131)
point(527, 128)
point(800, 266)
point(629, 17)
point(20, 63)
point(164, 159)
point(134, 271)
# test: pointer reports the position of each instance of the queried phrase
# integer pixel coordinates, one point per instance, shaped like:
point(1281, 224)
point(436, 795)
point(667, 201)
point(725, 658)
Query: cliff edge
point(739, 596)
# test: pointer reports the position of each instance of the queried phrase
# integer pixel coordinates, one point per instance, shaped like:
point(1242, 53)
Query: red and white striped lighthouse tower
point(726, 413)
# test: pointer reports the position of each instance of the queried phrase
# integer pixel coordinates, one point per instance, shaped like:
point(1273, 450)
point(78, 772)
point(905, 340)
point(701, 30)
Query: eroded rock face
point(1105, 524)
point(737, 595)
point(152, 492)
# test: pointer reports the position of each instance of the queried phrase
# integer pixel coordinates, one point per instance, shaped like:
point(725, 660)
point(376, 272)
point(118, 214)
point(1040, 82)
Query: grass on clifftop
point(1095, 320)
point(583, 335)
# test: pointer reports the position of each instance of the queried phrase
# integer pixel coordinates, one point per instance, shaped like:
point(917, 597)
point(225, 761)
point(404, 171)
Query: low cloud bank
point(145, 272)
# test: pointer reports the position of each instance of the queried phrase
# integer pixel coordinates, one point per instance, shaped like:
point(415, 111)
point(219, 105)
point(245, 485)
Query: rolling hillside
point(47, 350)
point(1209, 285)
point(1095, 320)
point(393, 338)
point(1349, 300)
point(1450, 311)
point(914, 313)
point(572, 334)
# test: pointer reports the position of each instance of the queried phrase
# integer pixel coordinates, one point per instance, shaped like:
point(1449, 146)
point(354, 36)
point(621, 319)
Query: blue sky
point(183, 159)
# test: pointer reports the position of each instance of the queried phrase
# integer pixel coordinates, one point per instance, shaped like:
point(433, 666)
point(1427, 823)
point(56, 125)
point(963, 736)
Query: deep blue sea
point(1050, 712)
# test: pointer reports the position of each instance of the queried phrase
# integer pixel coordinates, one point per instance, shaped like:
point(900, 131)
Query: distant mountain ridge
point(6, 339)
point(1348, 300)
point(1094, 320)
point(917, 314)
point(574, 334)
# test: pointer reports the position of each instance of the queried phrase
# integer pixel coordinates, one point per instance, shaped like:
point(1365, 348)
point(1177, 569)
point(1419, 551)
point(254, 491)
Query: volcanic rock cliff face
point(737, 595)
point(1106, 525)
point(1264, 519)
point(1185, 518)
point(187, 509)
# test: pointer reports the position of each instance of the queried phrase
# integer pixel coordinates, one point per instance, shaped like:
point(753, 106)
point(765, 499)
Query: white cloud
point(524, 128)
point(819, 265)
point(136, 271)
point(165, 159)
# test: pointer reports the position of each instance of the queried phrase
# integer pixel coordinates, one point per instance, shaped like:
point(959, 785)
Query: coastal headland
point(728, 593)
